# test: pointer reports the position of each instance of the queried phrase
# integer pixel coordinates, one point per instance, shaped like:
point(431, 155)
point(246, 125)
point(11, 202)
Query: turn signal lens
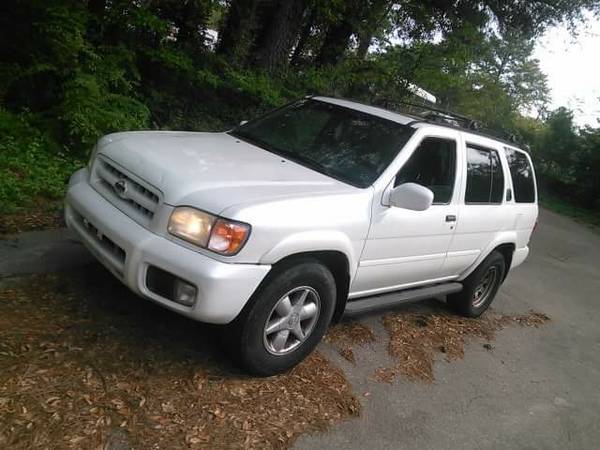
point(228, 237)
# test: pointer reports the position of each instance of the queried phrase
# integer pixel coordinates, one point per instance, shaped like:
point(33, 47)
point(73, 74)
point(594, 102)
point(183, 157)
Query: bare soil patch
point(86, 364)
point(416, 338)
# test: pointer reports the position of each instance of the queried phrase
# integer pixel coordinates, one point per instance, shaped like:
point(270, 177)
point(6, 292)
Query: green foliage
point(587, 215)
point(89, 110)
point(567, 158)
point(31, 170)
point(73, 89)
point(71, 71)
point(484, 77)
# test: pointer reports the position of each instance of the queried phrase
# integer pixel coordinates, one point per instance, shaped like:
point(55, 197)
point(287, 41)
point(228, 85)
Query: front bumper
point(127, 249)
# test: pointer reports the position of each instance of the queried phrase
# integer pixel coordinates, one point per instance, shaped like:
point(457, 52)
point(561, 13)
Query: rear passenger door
point(481, 214)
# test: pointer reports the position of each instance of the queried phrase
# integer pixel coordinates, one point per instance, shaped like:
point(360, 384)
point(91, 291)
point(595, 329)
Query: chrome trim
point(133, 196)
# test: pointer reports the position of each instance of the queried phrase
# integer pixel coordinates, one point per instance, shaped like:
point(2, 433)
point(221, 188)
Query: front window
point(343, 143)
point(433, 165)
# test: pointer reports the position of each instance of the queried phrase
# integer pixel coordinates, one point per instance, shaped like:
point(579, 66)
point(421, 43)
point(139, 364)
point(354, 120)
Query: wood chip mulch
point(91, 366)
point(344, 336)
point(416, 338)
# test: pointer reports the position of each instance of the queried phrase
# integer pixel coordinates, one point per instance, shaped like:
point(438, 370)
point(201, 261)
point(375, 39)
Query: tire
point(260, 351)
point(476, 296)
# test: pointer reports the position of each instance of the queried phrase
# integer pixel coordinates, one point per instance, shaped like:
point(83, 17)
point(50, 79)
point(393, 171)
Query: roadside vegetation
point(581, 214)
point(71, 71)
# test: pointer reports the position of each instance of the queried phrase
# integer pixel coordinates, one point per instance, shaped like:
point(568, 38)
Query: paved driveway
point(537, 387)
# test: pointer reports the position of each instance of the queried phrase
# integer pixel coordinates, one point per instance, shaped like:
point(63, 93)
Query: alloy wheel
point(291, 320)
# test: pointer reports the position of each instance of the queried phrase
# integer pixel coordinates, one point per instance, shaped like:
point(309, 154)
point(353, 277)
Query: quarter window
point(433, 165)
point(485, 179)
point(521, 173)
point(497, 179)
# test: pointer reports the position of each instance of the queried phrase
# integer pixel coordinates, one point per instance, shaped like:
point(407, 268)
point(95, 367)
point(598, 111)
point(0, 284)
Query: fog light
point(184, 293)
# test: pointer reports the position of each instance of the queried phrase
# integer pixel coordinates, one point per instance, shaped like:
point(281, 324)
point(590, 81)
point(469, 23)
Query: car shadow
point(117, 371)
point(117, 317)
point(153, 336)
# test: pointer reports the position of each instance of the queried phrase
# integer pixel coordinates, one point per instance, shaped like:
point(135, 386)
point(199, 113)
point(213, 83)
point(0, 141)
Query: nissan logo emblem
point(121, 188)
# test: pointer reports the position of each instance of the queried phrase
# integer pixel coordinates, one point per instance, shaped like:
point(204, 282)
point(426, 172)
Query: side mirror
point(411, 196)
point(243, 122)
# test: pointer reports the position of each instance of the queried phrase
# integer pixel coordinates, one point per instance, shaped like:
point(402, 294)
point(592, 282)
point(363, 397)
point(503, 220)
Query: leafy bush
point(32, 170)
point(89, 110)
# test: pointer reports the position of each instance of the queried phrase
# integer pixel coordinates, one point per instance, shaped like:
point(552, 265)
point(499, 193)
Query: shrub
point(32, 170)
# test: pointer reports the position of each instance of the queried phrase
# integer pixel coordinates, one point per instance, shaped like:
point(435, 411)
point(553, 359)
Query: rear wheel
point(285, 319)
point(480, 288)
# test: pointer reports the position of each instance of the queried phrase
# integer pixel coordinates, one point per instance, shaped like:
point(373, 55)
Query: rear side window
point(433, 165)
point(485, 179)
point(521, 173)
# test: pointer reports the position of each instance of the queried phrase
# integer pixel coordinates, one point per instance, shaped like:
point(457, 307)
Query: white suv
point(321, 208)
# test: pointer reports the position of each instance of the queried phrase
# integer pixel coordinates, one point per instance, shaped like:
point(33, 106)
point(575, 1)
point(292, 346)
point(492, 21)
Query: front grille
point(136, 199)
point(113, 251)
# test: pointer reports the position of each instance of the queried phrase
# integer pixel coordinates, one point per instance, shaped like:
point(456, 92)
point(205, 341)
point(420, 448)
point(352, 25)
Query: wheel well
point(507, 251)
point(338, 264)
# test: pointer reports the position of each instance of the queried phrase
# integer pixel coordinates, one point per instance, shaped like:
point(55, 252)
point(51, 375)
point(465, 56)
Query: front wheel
point(285, 319)
point(480, 288)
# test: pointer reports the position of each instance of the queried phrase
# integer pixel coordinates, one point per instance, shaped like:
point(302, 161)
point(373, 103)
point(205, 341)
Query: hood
point(213, 171)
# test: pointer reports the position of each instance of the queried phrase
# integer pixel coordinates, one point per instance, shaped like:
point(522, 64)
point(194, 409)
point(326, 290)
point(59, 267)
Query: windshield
point(343, 143)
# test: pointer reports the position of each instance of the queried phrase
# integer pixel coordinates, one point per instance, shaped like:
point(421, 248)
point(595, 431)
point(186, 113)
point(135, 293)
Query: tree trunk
point(335, 44)
point(364, 42)
point(278, 36)
point(96, 24)
point(237, 33)
point(376, 15)
point(97, 7)
point(303, 38)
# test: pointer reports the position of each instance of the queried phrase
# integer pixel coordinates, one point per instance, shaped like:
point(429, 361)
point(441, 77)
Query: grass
point(589, 217)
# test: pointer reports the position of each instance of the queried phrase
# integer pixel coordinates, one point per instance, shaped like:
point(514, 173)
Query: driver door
point(406, 248)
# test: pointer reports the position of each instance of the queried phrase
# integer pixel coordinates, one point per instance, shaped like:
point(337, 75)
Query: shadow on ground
point(86, 363)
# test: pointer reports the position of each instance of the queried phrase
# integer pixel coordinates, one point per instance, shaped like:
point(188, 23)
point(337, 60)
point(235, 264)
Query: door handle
point(451, 218)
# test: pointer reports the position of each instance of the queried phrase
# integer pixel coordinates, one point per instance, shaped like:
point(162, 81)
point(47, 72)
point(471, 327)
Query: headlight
point(223, 236)
point(192, 225)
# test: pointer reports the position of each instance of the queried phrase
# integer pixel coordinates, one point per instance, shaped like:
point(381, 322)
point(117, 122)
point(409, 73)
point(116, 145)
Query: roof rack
point(431, 114)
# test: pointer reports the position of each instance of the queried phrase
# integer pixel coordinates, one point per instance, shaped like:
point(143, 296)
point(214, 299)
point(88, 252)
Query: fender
point(317, 240)
point(503, 237)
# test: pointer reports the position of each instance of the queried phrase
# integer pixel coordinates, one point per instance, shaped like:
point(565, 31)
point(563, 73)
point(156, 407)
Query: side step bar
point(386, 301)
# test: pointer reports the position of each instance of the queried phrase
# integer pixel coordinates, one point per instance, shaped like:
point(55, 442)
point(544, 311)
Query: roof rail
point(434, 115)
